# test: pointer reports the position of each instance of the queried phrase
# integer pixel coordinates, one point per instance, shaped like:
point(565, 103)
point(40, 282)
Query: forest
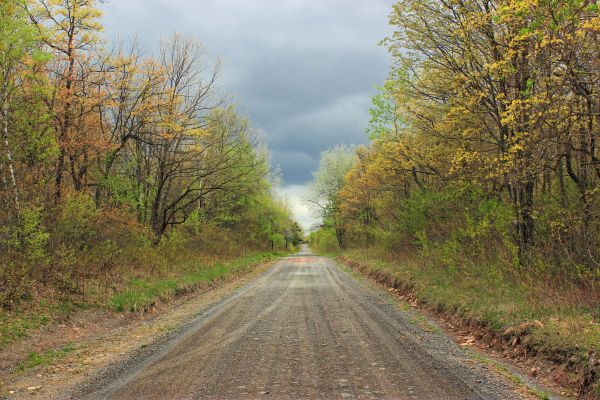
point(119, 162)
point(480, 188)
point(129, 177)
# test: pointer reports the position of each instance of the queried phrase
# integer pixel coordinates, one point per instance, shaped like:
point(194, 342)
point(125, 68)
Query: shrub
point(324, 240)
point(23, 246)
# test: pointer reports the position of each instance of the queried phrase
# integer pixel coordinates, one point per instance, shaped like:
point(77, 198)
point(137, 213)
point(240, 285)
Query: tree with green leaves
point(328, 180)
point(498, 103)
point(20, 54)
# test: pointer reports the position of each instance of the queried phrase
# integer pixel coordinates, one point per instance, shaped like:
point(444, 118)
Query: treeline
point(484, 141)
point(106, 151)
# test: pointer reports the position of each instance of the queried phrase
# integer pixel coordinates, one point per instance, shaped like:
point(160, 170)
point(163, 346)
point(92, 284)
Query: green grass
point(17, 324)
point(423, 323)
point(510, 375)
point(134, 294)
point(35, 359)
point(569, 324)
point(143, 292)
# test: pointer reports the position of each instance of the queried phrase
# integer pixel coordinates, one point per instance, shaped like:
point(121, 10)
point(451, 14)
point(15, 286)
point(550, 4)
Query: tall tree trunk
point(522, 198)
point(3, 178)
point(66, 122)
point(564, 200)
point(9, 159)
point(59, 174)
point(339, 234)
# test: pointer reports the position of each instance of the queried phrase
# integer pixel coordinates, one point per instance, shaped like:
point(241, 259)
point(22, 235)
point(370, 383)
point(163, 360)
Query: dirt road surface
point(304, 329)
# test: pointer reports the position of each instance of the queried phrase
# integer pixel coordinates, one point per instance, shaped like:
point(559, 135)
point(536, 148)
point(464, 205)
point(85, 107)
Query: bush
point(324, 240)
point(23, 246)
point(278, 241)
point(74, 222)
point(14, 282)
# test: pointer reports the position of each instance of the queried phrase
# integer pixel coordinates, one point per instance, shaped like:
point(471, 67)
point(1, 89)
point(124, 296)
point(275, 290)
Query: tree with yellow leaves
point(70, 28)
point(498, 102)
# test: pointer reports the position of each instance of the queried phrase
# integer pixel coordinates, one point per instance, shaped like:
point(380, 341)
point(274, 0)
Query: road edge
point(478, 345)
point(137, 335)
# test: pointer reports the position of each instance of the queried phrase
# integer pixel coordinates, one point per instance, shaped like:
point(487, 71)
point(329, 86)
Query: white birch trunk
point(9, 160)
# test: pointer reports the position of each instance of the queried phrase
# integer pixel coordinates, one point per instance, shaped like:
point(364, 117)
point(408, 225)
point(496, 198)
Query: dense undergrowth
point(134, 287)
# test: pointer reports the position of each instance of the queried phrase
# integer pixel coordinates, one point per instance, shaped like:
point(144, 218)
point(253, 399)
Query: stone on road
point(304, 329)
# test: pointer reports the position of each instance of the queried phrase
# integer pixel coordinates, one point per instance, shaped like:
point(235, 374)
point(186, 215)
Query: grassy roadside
point(18, 324)
point(520, 318)
point(136, 293)
point(141, 293)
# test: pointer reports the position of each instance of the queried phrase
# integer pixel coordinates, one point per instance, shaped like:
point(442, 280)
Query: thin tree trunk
point(521, 195)
point(9, 160)
point(66, 122)
point(59, 172)
point(4, 182)
point(561, 184)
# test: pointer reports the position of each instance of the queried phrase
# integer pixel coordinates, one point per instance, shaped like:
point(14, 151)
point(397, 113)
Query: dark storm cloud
point(302, 70)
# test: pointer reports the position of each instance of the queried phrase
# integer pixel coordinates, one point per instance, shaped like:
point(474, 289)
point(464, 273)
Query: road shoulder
point(473, 348)
point(100, 339)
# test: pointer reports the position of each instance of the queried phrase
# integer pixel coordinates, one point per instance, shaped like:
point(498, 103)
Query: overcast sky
point(303, 71)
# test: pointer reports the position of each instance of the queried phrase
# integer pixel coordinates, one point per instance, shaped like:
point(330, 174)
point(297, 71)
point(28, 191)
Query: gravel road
point(304, 329)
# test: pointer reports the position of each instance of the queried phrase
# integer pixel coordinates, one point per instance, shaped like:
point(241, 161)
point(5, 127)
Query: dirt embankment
point(561, 370)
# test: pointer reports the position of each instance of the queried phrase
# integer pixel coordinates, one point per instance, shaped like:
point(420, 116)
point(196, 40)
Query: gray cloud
point(302, 70)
